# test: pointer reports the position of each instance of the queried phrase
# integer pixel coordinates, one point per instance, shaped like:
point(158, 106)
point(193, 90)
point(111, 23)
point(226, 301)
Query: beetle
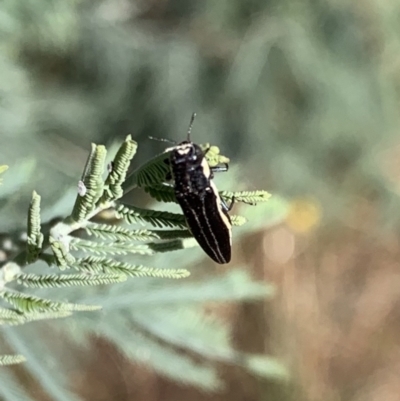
point(206, 213)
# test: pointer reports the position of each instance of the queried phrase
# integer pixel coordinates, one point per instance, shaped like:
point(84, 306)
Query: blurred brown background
point(304, 99)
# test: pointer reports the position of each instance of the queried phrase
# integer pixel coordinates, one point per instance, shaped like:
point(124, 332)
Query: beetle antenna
point(190, 126)
point(162, 139)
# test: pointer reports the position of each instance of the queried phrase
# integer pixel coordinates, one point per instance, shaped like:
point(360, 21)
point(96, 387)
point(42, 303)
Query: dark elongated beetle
point(205, 212)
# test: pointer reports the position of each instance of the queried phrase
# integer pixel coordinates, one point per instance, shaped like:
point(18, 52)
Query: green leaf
point(9, 314)
point(104, 265)
point(61, 314)
point(92, 183)
point(132, 214)
point(11, 359)
point(110, 248)
point(161, 192)
point(213, 156)
point(238, 220)
point(33, 304)
point(35, 236)
point(66, 280)
point(118, 233)
point(265, 366)
point(10, 317)
point(246, 196)
point(62, 257)
point(120, 165)
point(152, 173)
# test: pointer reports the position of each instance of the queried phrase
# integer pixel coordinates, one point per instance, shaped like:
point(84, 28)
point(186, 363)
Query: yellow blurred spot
point(303, 215)
point(2, 169)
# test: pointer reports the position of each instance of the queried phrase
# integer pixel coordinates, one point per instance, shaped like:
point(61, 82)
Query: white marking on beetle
point(184, 149)
point(206, 168)
point(224, 217)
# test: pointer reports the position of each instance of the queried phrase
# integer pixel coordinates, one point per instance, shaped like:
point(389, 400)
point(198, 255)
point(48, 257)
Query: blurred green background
point(303, 96)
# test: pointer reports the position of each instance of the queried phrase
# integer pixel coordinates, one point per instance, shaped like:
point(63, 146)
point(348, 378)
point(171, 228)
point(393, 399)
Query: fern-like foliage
point(165, 193)
point(154, 172)
point(10, 317)
point(119, 233)
point(97, 265)
point(119, 167)
point(67, 280)
point(11, 359)
point(61, 255)
point(159, 219)
point(161, 192)
point(31, 304)
point(87, 253)
point(213, 155)
point(109, 248)
point(251, 197)
point(238, 220)
point(93, 196)
point(91, 184)
point(35, 237)
point(105, 241)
